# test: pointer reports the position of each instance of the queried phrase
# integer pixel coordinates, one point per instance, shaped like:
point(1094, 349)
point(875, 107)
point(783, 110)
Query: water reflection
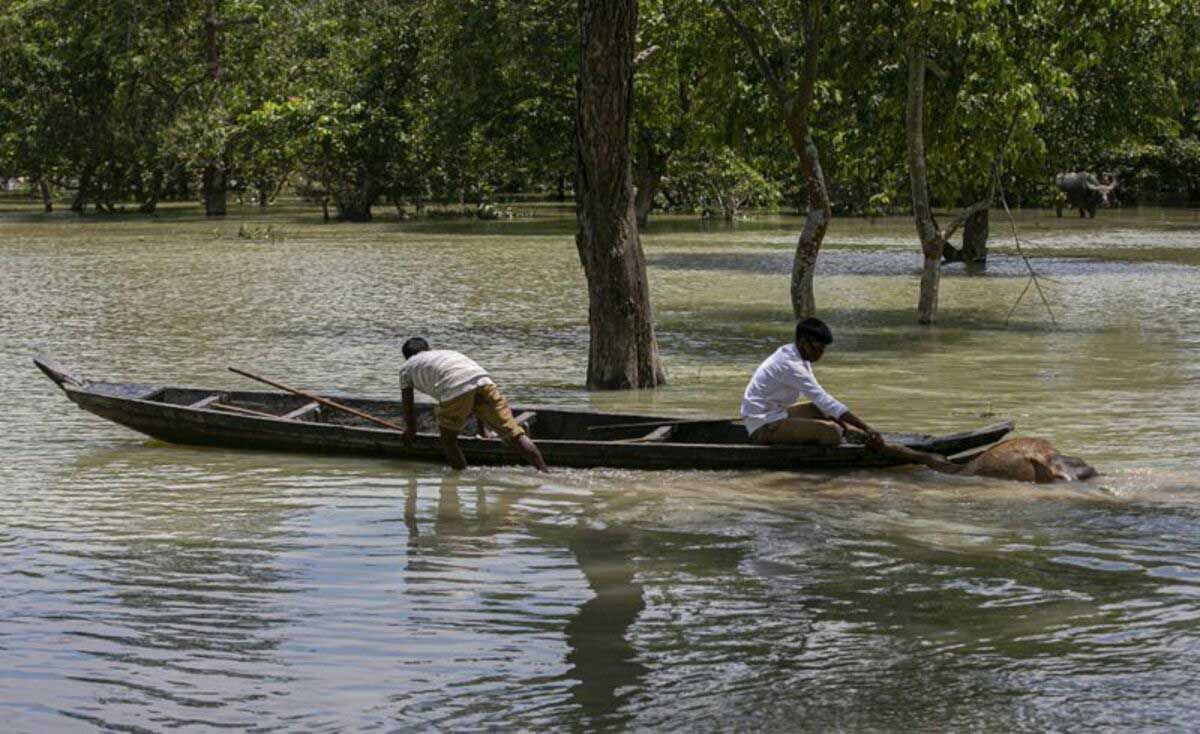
point(603, 669)
point(602, 659)
point(150, 587)
point(173, 575)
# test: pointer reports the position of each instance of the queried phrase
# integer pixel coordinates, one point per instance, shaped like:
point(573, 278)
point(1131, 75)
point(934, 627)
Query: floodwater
point(148, 586)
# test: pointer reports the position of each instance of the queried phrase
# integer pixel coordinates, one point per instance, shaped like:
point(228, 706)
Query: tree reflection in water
point(603, 667)
point(602, 660)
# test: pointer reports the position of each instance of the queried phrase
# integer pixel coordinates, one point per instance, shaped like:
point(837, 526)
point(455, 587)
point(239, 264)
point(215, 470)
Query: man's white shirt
point(442, 374)
point(778, 383)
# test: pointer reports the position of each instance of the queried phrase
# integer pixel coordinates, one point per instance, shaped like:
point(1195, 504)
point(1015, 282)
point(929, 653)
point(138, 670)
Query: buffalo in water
point(1019, 459)
point(1082, 190)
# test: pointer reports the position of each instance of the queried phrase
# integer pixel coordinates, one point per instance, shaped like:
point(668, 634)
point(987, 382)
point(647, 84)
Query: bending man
point(460, 387)
point(770, 409)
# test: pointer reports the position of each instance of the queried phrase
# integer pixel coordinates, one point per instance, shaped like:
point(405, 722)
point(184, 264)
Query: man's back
point(442, 374)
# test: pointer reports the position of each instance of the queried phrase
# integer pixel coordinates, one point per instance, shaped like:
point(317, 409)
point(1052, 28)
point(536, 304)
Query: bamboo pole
point(319, 399)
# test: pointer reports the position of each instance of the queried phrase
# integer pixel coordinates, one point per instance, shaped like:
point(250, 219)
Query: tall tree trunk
point(215, 172)
point(623, 352)
point(80, 200)
point(214, 190)
point(150, 203)
point(355, 205)
point(975, 241)
point(816, 222)
point(797, 109)
point(932, 242)
point(649, 174)
point(47, 199)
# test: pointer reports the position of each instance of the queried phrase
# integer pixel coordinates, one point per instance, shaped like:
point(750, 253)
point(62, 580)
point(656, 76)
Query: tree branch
point(962, 217)
point(936, 68)
point(752, 43)
point(644, 55)
point(770, 24)
point(812, 48)
point(1033, 276)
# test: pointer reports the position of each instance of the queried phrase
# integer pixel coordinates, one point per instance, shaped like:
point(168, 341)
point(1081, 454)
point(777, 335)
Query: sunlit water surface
point(148, 586)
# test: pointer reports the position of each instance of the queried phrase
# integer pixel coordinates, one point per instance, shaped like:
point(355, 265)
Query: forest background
point(356, 104)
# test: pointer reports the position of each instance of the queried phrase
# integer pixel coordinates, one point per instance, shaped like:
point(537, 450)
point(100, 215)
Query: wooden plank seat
point(213, 402)
point(661, 433)
point(303, 410)
point(206, 402)
point(243, 411)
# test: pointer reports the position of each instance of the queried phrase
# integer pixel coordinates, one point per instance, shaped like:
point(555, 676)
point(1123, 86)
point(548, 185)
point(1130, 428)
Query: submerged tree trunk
point(649, 175)
point(214, 190)
point(816, 222)
point(797, 109)
point(80, 200)
point(355, 205)
point(150, 204)
point(623, 352)
point(47, 199)
point(647, 187)
point(651, 167)
point(932, 242)
point(975, 241)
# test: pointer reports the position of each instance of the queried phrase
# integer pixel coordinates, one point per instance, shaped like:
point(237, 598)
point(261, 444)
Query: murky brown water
point(147, 586)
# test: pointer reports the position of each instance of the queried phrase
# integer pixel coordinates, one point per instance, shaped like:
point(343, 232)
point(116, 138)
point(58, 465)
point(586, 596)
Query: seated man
point(460, 387)
point(770, 409)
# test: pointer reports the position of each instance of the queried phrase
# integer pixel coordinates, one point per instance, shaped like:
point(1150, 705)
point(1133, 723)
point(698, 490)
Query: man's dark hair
point(814, 329)
point(415, 345)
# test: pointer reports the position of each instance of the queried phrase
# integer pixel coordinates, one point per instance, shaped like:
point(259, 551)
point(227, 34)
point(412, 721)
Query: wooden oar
point(319, 399)
point(652, 424)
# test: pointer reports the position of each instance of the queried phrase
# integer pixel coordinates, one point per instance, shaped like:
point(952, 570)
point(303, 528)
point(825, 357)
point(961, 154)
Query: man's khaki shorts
point(489, 407)
point(805, 424)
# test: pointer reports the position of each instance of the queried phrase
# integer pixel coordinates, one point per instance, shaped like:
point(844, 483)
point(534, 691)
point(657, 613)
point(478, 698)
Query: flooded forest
point(620, 210)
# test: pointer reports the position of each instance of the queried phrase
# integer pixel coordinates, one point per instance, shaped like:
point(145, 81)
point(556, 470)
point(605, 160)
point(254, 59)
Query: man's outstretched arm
point(904, 453)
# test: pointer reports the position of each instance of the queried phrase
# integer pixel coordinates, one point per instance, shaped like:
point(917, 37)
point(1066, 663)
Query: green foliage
point(261, 232)
point(460, 101)
point(718, 183)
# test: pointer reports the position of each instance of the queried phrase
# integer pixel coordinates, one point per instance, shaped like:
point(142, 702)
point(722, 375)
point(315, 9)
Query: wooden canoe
point(575, 438)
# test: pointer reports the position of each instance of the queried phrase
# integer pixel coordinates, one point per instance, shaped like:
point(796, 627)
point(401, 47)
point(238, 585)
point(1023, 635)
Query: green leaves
point(452, 100)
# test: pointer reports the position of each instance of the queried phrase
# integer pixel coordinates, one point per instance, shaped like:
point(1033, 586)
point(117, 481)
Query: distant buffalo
point(1082, 190)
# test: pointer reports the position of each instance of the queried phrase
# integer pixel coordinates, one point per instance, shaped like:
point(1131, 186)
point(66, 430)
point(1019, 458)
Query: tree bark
point(816, 222)
point(150, 205)
point(354, 206)
point(975, 241)
point(47, 199)
point(623, 352)
point(214, 190)
point(80, 200)
point(649, 175)
point(215, 182)
point(647, 187)
point(797, 109)
point(932, 242)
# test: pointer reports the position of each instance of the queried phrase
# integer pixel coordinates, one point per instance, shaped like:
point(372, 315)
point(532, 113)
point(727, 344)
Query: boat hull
point(563, 436)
